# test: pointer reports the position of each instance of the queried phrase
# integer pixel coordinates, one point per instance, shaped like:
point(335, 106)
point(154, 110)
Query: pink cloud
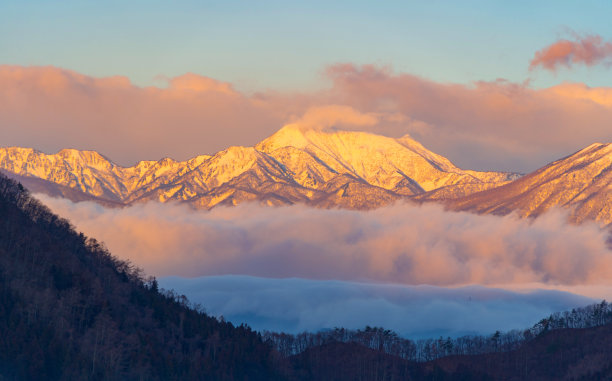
point(322, 117)
point(402, 243)
point(50, 108)
point(200, 84)
point(582, 92)
point(485, 125)
point(589, 50)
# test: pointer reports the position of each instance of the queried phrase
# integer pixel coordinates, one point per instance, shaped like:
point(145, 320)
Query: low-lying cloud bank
point(297, 305)
point(404, 243)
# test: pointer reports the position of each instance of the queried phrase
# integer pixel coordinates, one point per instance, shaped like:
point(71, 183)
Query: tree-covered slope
point(70, 310)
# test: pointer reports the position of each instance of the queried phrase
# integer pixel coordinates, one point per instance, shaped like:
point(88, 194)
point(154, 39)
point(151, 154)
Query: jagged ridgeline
point(581, 182)
point(70, 310)
point(354, 170)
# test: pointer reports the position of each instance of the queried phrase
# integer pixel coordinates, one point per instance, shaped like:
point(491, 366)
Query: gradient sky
point(145, 79)
point(285, 45)
point(491, 85)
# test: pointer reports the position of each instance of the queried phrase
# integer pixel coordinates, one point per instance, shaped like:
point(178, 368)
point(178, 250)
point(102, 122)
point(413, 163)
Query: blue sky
point(285, 45)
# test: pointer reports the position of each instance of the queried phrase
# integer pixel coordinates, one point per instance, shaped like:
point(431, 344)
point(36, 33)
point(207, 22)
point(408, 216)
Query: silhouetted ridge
point(70, 310)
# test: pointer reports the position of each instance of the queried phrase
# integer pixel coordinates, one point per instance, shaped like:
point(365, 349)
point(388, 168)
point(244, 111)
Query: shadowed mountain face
point(354, 170)
point(581, 182)
point(38, 185)
point(71, 311)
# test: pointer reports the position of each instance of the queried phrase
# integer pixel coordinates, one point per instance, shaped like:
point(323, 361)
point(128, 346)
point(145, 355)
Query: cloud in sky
point(297, 305)
point(49, 108)
point(506, 125)
point(324, 117)
point(401, 244)
point(486, 125)
point(587, 50)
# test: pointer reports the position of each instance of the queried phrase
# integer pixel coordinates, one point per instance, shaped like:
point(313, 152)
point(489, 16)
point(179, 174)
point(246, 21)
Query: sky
point(507, 86)
point(285, 45)
point(504, 85)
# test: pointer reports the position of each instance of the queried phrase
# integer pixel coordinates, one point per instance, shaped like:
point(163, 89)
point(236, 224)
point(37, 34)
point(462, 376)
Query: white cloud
point(297, 305)
point(401, 244)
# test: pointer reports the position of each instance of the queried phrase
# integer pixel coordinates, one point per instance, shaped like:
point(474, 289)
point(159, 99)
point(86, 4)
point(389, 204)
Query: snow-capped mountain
point(322, 168)
point(581, 182)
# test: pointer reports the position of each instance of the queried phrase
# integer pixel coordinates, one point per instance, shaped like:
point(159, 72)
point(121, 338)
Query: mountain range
point(354, 170)
point(581, 182)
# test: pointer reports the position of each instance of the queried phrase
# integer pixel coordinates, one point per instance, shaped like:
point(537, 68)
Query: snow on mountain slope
point(581, 182)
point(92, 173)
point(37, 185)
point(347, 169)
point(381, 161)
point(86, 171)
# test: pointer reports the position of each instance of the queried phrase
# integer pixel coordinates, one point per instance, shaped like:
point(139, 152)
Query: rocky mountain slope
point(581, 182)
point(354, 170)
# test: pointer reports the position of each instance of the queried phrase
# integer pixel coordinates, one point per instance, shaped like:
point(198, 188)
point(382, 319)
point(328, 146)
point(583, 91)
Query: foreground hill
point(71, 311)
point(568, 354)
point(581, 182)
point(354, 170)
point(573, 345)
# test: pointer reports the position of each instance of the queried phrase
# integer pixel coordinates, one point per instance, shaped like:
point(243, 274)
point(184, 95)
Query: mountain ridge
point(293, 165)
point(580, 182)
point(344, 169)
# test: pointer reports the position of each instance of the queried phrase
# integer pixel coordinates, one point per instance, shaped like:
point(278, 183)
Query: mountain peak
point(294, 135)
point(291, 135)
point(294, 164)
point(606, 147)
point(90, 158)
point(380, 160)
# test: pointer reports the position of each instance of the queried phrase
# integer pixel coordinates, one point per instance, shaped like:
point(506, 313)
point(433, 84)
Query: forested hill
point(70, 310)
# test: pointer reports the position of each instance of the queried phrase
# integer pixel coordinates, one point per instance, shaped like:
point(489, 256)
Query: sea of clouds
point(402, 243)
point(420, 270)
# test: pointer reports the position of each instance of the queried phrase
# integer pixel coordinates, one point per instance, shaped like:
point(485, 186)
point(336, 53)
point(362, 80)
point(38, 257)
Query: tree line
point(422, 350)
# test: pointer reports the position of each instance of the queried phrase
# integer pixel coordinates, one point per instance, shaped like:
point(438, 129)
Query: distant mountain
point(37, 185)
point(581, 182)
point(354, 170)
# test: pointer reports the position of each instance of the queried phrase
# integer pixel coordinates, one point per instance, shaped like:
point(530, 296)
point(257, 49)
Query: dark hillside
point(560, 354)
point(565, 354)
point(69, 310)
